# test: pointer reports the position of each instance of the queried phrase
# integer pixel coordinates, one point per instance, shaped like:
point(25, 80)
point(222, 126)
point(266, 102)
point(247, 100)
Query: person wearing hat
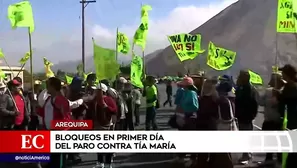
point(22, 120)
point(7, 109)
point(272, 118)
point(287, 102)
point(102, 118)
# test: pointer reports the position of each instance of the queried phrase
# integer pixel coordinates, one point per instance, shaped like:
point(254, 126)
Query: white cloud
point(180, 20)
point(67, 46)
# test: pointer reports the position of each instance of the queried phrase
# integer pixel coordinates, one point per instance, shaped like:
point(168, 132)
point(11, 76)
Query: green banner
point(255, 78)
point(286, 16)
point(219, 58)
point(186, 46)
point(136, 71)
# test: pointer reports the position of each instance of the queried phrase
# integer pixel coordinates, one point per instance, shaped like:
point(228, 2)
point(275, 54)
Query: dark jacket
point(246, 105)
point(79, 112)
point(207, 115)
point(169, 89)
point(7, 111)
point(90, 105)
point(288, 100)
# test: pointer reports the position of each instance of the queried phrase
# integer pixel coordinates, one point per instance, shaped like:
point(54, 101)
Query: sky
point(57, 33)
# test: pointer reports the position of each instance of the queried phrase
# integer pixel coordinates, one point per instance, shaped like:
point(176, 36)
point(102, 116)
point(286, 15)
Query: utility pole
point(84, 4)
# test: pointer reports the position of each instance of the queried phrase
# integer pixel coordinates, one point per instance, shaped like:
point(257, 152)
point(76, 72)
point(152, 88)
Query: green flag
point(255, 78)
point(219, 58)
point(68, 79)
point(141, 33)
point(21, 15)
point(105, 62)
point(186, 46)
point(1, 53)
point(123, 43)
point(47, 66)
point(25, 58)
point(286, 16)
point(2, 74)
point(136, 71)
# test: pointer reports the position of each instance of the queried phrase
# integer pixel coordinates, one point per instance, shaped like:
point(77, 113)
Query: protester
point(7, 109)
point(246, 107)
point(188, 106)
point(214, 106)
point(56, 107)
point(287, 102)
point(89, 90)
point(22, 120)
point(129, 124)
point(105, 108)
point(136, 103)
point(168, 93)
point(75, 92)
point(121, 103)
point(179, 115)
point(272, 120)
point(151, 95)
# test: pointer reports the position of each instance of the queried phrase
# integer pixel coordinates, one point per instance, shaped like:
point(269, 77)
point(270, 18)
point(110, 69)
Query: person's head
point(209, 88)
point(224, 87)
point(289, 73)
point(186, 83)
point(14, 86)
point(76, 84)
point(243, 78)
point(119, 83)
point(276, 81)
point(103, 88)
point(2, 88)
point(19, 79)
point(198, 80)
point(53, 85)
point(91, 79)
point(150, 80)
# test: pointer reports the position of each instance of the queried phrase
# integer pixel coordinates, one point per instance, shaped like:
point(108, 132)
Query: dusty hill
point(247, 27)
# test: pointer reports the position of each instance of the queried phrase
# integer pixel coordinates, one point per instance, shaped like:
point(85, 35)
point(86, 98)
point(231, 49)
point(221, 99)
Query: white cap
point(123, 80)
point(102, 87)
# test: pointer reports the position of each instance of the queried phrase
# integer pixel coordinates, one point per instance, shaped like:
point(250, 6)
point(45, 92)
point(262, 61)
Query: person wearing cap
point(7, 109)
point(272, 118)
point(287, 102)
point(246, 103)
point(186, 114)
point(189, 103)
point(102, 118)
point(22, 120)
point(89, 90)
point(151, 94)
point(119, 86)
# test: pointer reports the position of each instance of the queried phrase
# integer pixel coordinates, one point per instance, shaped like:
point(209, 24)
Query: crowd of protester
point(201, 103)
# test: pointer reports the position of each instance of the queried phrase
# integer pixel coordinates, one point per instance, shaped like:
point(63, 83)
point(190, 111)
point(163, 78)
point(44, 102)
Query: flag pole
point(31, 60)
point(21, 70)
point(116, 50)
point(8, 66)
